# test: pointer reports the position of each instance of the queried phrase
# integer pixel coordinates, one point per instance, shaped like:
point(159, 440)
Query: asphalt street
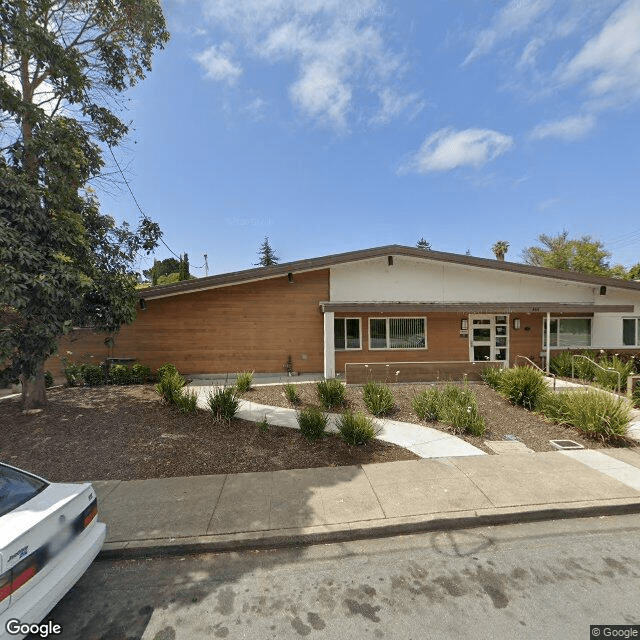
point(541, 580)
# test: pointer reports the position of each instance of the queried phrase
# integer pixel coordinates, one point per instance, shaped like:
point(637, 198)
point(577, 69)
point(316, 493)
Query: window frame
point(346, 348)
point(387, 347)
point(558, 319)
point(636, 333)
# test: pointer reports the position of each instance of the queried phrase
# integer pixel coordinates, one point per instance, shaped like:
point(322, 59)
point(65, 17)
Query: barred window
point(397, 333)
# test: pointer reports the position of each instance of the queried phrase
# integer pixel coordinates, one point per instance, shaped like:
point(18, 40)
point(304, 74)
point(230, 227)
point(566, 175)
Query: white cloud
point(447, 149)
point(338, 48)
point(218, 65)
point(610, 61)
point(392, 104)
point(569, 129)
point(514, 18)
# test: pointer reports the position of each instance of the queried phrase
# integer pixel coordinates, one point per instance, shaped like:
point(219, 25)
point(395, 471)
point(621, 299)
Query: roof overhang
point(473, 307)
point(324, 262)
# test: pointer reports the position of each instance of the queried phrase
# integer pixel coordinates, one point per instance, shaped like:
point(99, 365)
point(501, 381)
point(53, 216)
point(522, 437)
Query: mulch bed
point(500, 416)
point(126, 433)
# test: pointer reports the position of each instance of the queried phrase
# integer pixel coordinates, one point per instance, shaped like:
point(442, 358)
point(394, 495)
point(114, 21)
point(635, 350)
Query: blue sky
point(331, 126)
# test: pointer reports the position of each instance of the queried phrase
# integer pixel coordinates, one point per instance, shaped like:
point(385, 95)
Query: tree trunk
point(34, 392)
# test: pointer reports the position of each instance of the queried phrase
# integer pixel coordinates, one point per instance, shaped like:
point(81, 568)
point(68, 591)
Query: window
point(397, 333)
point(568, 332)
point(631, 332)
point(346, 333)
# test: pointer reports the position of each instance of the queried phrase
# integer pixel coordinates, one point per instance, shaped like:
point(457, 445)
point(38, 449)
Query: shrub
point(312, 423)
point(244, 381)
point(378, 398)
point(92, 374)
point(561, 364)
point(187, 401)
point(609, 379)
point(597, 413)
point(552, 406)
point(291, 392)
point(263, 425)
point(165, 369)
point(140, 373)
point(48, 379)
point(492, 375)
point(584, 369)
point(120, 374)
point(223, 403)
point(635, 397)
point(427, 404)
point(331, 393)
point(170, 387)
point(356, 428)
point(523, 385)
point(73, 373)
point(459, 408)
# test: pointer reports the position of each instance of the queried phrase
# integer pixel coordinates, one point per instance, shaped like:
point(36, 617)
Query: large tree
point(62, 262)
point(267, 256)
point(500, 249)
point(584, 255)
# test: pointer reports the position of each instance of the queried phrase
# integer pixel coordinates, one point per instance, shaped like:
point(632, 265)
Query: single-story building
point(373, 312)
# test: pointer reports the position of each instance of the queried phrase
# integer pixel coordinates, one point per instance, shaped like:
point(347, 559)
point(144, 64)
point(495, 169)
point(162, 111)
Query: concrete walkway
point(329, 504)
point(423, 441)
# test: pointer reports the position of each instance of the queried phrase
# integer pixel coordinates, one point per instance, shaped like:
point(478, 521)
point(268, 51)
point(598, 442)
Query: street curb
point(354, 531)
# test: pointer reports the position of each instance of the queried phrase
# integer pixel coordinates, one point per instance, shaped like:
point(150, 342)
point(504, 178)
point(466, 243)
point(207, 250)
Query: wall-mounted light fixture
point(464, 325)
point(290, 277)
point(516, 323)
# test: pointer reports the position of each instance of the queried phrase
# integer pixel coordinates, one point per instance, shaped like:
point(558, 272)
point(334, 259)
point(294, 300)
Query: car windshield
point(16, 487)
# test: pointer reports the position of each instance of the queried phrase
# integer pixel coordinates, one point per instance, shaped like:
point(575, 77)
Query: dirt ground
point(500, 416)
point(125, 433)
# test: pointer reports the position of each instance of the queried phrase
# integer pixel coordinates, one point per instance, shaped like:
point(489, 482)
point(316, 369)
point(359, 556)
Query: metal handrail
point(578, 355)
point(551, 375)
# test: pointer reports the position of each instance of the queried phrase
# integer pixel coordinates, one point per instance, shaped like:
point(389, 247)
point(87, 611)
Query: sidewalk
point(332, 504)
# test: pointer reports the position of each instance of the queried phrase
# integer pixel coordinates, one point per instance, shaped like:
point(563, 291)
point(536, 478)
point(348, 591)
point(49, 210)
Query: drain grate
point(565, 444)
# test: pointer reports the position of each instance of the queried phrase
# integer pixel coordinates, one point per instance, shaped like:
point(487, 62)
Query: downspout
point(548, 341)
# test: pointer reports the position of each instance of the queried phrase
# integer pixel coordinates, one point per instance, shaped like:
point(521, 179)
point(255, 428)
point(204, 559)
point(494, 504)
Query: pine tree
point(423, 244)
point(267, 256)
point(183, 271)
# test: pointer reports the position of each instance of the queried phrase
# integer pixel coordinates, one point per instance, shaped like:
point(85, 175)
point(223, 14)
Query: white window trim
point(345, 334)
point(566, 346)
point(635, 333)
point(386, 319)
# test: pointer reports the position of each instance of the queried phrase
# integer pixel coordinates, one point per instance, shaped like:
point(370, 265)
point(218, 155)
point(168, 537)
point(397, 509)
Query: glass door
point(488, 338)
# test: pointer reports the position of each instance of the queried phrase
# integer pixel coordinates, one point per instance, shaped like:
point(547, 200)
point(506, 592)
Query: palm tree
point(500, 249)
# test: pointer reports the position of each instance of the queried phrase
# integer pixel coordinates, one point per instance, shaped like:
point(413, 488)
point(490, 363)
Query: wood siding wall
point(253, 326)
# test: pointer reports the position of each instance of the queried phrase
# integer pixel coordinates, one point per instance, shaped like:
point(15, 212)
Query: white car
point(49, 535)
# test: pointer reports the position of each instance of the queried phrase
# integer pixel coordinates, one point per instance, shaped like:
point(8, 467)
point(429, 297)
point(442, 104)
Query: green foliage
point(187, 401)
point(378, 398)
point(583, 255)
point(62, 262)
point(313, 423)
point(166, 369)
point(635, 397)
point(140, 373)
point(561, 364)
point(492, 376)
point(244, 381)
point(596, 413)
point(291, 392)
point(331, 393)
point(423, 244)
point(263, 425)
point(609, 379)
point(72, 372)
point(453, 405)
point(223, 403)
point(48, 379)
point(267, 256)
point(356, 428)
point(92, 374)
point(170, 387)
point(427, 404)
point(523, 385)
point(583, 368)
point(500, 249)
point(120, 374)
point(161, 268)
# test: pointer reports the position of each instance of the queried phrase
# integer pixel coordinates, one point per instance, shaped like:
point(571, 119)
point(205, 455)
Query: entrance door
point(488, 338)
